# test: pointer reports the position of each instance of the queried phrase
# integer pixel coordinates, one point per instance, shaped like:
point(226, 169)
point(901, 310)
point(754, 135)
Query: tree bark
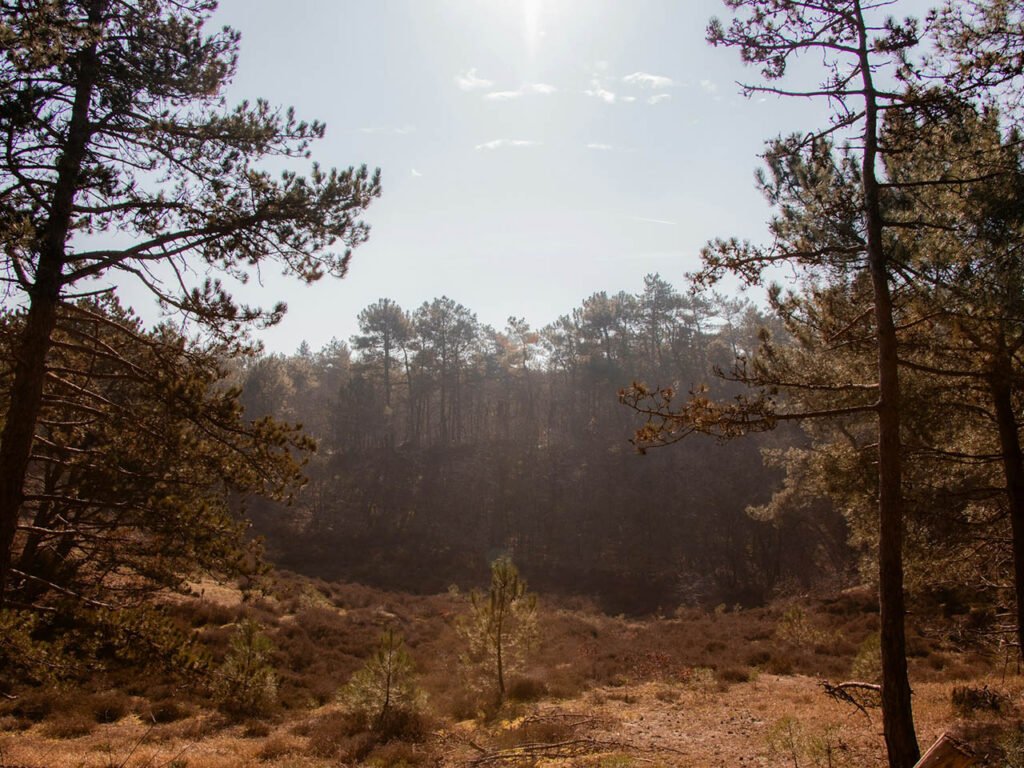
point(33, 345)
point(1013, 470)
point(897, 712)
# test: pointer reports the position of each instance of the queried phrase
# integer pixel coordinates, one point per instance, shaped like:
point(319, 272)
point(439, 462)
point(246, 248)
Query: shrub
point(526, 689)
point(109, 707)
point(245, 684)
point(396, 754)
point(36, 705)
point(384, 691)
point(537, 729)
point(275, 748)
point(794, 627)
point(759, 658)
point(11, 723)
point(867, 665)
point(701, 680)
point(734, 675)
point(499, 628)
point(161, 712)
point(968, 699)
point(780, 664)
point(69, 726)
point(790, 742)
point(256, 729)
point(329, 734)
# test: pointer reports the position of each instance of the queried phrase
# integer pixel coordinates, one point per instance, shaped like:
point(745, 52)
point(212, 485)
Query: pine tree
point(500, 627)
point(142, 453)
point(384, 689)
point(856, 49)
point(112, 119)
point(245, 684)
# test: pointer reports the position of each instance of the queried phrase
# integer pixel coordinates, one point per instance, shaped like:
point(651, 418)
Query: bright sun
point(531, 24)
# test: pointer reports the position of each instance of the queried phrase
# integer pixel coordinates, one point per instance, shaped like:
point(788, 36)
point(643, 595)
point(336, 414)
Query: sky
point(532, 152)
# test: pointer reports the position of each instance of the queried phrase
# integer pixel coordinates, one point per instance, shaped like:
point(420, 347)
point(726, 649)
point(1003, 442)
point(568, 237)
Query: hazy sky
point(533, 151)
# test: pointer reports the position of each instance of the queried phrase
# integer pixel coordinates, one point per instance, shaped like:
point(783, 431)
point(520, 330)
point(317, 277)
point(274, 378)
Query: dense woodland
point(443, 443)
point(861, 426)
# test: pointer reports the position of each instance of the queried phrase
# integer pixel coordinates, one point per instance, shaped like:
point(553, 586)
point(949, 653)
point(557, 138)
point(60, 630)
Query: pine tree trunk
point(897, 711)
point(20, 424)
point(1013, 470)
point(33, 345)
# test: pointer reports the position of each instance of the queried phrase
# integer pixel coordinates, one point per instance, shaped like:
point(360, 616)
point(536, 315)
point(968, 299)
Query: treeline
point(444, 442)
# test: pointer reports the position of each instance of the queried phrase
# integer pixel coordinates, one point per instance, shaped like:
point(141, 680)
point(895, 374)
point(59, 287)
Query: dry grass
point(764, 722)
point(698, 689)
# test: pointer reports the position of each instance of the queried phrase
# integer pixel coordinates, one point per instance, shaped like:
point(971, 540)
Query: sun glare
point(531, 25)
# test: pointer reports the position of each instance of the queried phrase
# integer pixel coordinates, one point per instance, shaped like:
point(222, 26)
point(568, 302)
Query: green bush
point(867, 665)
point(384, 692)
point(245, 684)
point(499, 629)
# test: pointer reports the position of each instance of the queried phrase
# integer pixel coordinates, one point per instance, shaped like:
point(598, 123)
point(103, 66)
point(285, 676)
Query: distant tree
point(500, 627)
point(605, 322)
point(447, 332)
point(112, 122)
point(269, 387)
point(517, 356)
point(384, 328)
point(658, 318)
point(553, 481)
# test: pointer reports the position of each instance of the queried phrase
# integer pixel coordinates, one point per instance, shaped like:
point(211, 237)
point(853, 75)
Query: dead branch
point(860, 695)
point(554, 750)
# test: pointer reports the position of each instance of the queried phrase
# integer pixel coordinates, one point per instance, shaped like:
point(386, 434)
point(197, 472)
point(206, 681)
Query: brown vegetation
point(699, 688)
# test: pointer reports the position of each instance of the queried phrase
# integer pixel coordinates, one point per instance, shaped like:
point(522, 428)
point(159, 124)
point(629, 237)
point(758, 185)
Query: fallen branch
point(568, 719)
point(555, 750)
point(861, 695)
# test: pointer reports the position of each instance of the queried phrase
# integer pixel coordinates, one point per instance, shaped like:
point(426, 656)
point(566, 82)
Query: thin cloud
point(542, 89)
point(503, 95)
point(416, 173)
point(600, 147)
point(468, 81)
point(647, 80)
point(709, 86)
point(658, 98)
point(503, 143)
point(598, 91)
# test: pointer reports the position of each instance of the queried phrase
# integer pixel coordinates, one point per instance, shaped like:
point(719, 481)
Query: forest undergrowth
point(701, 687)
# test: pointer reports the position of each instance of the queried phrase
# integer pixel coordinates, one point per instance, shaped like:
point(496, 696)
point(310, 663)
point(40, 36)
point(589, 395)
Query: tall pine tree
point(111, 115)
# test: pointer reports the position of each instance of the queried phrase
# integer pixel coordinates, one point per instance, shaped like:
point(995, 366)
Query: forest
point(443, 443)
point(771, 515)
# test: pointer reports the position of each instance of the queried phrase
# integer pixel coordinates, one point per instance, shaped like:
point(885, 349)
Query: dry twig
point(554, 750)
point(861, 695)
